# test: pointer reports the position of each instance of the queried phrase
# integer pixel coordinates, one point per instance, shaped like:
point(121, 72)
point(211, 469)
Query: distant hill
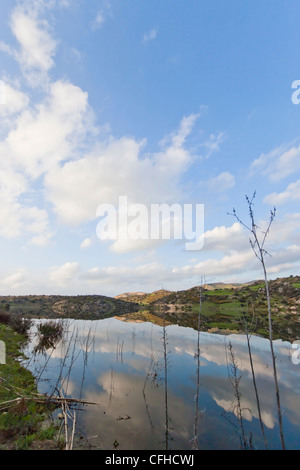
point(223, 306)
point(149, 297)
point(143, 297)
point(55, 306)
point(223, 285)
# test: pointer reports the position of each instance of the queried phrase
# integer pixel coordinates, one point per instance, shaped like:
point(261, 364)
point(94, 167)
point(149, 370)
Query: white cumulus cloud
point(279, 163)
point(61, 275)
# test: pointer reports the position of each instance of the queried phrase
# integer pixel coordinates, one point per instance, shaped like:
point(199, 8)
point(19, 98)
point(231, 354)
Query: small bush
point(18, 324)
point(50, 329)
point(49, 334)
point(5, 317)
point(21, 325)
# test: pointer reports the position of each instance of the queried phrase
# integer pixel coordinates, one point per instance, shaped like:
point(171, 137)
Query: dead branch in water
point(41, 398)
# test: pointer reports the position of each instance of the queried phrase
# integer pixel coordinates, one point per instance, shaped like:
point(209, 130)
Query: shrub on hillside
point(5, 317)
point(18, 324)
point(49, 333)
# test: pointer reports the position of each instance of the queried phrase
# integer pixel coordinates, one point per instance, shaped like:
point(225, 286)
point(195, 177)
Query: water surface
point(143, 379)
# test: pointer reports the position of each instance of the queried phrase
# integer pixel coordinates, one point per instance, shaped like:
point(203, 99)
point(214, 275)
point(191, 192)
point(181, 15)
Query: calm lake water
point(144, 381)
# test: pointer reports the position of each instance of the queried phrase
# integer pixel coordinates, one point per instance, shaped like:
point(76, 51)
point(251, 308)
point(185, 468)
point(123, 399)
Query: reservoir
point(151, 390)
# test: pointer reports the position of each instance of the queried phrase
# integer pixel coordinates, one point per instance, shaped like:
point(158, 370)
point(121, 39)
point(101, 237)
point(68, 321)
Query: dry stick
point(73, 360)
point(144, 393)
point(85, 351)
point(121, 352)
point(259, 251)
point(117, 350)
point(7, 404)
point(63, 408)
point(64, 404)
point(71, 400)
point(111, 392)
point(235, 380)
point(195, 439)
point(70, 442)
point(274, 361)
point(73, 430)
point(63, 364)
point(145, 383)
point(166, 384)
point(41, 398)
point(12, 388)
point(254, 382)
point(45, 365)
point(66, 414)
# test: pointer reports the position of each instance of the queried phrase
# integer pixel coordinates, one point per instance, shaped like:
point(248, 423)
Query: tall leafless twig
point(257, 246)
point(248, 336)
point(197, 355)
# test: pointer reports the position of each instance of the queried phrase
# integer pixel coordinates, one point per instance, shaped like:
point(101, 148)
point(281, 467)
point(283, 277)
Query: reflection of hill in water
point(142, 317)
point(93, 307)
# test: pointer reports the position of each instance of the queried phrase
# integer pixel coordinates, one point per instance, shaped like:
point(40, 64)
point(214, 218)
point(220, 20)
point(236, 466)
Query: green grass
point(224, 326)
point(208, 308)
point(12, 371)
point(20, 424)
point(257, 287)
point(218, 292)
point(296, 284)
point(25, 441)
point(231, 309)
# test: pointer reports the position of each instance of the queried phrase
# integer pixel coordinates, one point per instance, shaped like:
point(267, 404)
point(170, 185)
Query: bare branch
point(260, 253)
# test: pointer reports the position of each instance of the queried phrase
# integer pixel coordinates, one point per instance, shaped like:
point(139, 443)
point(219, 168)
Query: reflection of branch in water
point(133, 341)
point(152, 372)
point(197, 355)
point(86, 345)
point(111, 391)
point(67, 415)
point(257, 242)
point(144, 394)
point(69, 345)
point(166, 385)
point(49, 335)
point(60, 380)
point(73, 360)
point(44, 366)
point(119, 351)
point(248, 336)
point(237, 409)
point(88, 342)
point(107, 335)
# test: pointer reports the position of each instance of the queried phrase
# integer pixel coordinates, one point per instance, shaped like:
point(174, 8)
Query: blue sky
point(163, 102)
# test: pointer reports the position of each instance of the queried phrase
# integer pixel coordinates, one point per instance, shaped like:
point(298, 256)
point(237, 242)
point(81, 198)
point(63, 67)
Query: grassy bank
point(24, 423)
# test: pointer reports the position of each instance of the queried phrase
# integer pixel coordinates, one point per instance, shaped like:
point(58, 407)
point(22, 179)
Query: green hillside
point(225, 308)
